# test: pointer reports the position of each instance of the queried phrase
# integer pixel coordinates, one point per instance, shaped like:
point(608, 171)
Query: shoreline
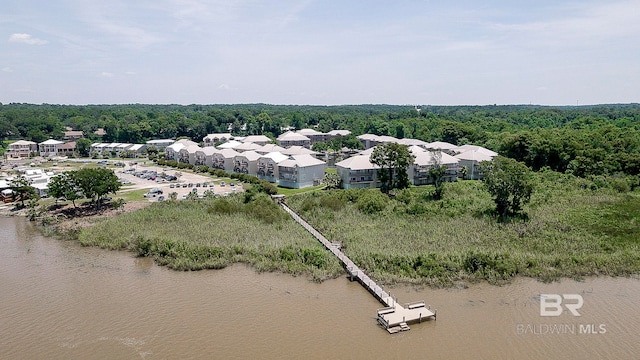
point(70, 228)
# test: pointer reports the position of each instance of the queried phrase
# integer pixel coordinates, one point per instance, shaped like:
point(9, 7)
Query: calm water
point(62, 301)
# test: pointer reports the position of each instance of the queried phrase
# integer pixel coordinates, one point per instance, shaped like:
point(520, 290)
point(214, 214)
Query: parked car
point(161, 198)
point(221, 183)
point(153, 193)
point(172, 186)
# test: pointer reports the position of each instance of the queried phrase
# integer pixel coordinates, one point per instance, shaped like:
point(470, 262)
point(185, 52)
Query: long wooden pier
point(393, 317)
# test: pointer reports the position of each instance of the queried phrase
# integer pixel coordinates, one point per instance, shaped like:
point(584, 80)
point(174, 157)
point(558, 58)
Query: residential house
point(136, 150)
point(121, 148)
point(110, 149)
point(67, 149)
point(223, 159)
point(172, 151)
point(300, 171)
point(257, 139)
point(231, 144)
point(21, 149)
point(269, 148)
point(246, 146)
point(371, 140)
point(298, 150)
point(313, 135)
point(464, 148)
point(426, 160)
point(246, 163)
point(72, 135)
point(412, 142)
point(98, 148)
point(268, 166)
point(160, 144)
point(291, 138)
point(442, 145)
point(187, 154)
point(49, 147)
point(204, 156)
point(358, 172)
point(213, 139)
point(337, 133)
point(471, 161)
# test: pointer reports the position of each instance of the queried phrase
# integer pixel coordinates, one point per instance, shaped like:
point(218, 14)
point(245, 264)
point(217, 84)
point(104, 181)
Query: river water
point(62, 301)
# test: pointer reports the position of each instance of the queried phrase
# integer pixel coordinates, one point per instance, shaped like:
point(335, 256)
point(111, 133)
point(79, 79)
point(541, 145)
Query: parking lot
point(137, 177)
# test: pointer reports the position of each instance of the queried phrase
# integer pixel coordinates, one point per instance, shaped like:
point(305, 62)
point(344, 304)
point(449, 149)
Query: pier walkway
point(393, 317)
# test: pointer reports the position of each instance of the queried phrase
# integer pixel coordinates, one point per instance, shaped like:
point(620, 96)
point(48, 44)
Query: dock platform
point(393, 317)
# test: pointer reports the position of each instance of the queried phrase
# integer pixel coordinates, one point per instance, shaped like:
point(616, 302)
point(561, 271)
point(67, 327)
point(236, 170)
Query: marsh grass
point(567, 230)
point(213, 233)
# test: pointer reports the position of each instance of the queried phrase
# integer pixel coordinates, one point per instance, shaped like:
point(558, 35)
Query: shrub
point(619, 184)
point(332, 202)
point(223, 206)
point(405, 196)
point(201, 169)
point(372, 202)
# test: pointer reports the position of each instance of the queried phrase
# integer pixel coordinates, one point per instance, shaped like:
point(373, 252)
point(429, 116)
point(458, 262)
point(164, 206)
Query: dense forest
point(582, 140)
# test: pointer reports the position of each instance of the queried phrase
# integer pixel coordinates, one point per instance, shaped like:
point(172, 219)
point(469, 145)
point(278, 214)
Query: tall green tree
point(509, 182)
point(394, 160)
point(96, 183)
point(64, 186)
point(22, 189)
point(83, 146)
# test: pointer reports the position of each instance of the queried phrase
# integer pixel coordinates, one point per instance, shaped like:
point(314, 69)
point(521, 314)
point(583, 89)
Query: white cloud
point(7, 69)
point(106, 74)
point(26, 39)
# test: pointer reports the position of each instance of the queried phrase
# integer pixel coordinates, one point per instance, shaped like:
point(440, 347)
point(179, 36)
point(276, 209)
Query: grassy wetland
point(571, 228)
point(214, 233)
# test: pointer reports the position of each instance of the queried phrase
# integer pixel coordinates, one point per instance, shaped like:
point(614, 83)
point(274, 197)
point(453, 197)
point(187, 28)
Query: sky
point(320, 52)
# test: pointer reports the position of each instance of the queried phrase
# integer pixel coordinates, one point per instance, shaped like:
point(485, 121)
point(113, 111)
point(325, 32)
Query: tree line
point(582, 140)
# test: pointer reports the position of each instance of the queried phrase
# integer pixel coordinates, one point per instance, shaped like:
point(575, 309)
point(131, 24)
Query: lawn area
point(289, 192)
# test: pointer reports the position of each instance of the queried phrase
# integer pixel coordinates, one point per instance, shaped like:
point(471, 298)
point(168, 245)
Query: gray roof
point(358, 162)
point(301, 161)
point(291, 136)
